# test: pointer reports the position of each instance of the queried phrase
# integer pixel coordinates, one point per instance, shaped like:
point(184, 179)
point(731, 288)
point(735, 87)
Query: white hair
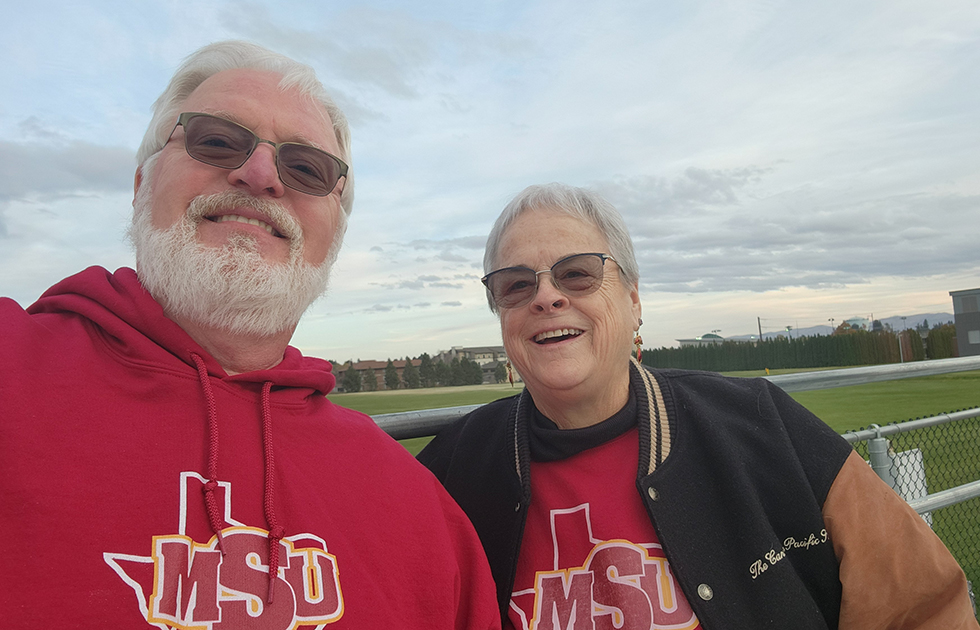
point(239, 55)
point(580, 203)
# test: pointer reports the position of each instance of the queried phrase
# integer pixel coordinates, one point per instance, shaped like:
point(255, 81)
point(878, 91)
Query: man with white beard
point(166, 458)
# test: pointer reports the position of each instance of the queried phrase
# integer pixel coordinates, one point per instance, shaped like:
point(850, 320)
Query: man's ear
point(137, 180)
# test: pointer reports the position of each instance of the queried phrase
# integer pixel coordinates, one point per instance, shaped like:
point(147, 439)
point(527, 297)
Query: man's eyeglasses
point(226, 144)
point(575, 275)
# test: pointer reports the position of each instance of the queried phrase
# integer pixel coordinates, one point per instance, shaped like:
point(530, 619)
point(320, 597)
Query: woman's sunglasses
point(226, 144)
point(576, 275)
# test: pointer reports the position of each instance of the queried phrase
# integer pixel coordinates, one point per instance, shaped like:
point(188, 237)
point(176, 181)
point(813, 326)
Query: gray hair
point(238, 55)
point(577, 202)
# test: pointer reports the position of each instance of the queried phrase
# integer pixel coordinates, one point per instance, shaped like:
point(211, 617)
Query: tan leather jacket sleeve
point(895, 571)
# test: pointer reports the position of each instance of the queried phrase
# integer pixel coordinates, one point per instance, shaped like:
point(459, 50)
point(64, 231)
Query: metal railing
point(828, 379)
point(881, 456)
point(412, 424)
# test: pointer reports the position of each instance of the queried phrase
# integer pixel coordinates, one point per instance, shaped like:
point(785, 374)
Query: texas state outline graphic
point(191, 585)
point(601, 584)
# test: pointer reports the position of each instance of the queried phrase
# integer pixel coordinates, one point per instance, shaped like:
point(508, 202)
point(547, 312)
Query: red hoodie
point(114, 422)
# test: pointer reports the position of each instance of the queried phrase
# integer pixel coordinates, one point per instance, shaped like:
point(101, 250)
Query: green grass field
point(396, 400)
point(855, 407)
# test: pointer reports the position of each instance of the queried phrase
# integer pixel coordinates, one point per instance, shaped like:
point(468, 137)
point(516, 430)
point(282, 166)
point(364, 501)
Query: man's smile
point(250, 221)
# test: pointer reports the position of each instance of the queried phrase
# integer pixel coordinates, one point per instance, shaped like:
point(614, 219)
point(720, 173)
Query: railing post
point(881, 461)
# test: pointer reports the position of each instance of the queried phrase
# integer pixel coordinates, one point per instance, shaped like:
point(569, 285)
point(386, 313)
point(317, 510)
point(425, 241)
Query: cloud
point(420, 283)
point(33, 127)
point(696, 189)
point(59, 170)
point(452, 257)
point(464, 242)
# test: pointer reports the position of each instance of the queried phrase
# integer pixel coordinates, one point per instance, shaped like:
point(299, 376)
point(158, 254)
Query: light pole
point(832, 328)
point(901, 353)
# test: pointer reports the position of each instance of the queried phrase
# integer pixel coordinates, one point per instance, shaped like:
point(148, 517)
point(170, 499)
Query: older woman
point(609, 496)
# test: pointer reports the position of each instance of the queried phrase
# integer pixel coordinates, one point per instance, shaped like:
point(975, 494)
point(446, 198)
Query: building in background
point(371, 369)
point(966, 317)
point(480, 354)
point(708, 339)
point(859, 323)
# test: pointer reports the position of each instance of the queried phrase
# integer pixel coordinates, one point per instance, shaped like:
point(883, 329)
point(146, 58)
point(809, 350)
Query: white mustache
point(284, 223)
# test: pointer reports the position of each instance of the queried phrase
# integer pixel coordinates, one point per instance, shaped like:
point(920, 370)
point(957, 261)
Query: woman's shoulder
point(474, 431)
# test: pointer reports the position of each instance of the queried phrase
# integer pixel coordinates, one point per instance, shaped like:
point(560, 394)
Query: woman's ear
point(636, 306)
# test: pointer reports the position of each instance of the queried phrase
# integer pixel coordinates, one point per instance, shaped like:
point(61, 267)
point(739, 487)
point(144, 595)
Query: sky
point(778, 163)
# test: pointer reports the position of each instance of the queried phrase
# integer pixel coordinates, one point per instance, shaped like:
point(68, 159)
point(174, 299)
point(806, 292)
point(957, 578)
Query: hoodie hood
point(134, 324)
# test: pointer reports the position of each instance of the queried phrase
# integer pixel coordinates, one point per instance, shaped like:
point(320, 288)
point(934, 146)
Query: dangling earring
point(638, 342)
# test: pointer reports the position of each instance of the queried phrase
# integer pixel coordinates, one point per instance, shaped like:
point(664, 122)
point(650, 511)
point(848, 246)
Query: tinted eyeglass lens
point(307, 169)
point(513, 287)
point(217, 142)
point(578, 274)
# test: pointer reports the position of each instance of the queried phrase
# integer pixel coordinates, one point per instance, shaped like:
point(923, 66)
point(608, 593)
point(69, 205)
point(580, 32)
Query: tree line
point(846, 347)
point(429, 373)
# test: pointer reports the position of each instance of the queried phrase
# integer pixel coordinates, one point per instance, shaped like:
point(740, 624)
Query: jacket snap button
point(652, 493)
point(705, 592)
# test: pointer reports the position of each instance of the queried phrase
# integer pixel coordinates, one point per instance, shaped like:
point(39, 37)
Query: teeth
point(238, 219)
point(562, 332)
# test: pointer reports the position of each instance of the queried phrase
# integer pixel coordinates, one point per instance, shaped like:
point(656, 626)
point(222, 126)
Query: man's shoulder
point(349, 428)
point(28, 333)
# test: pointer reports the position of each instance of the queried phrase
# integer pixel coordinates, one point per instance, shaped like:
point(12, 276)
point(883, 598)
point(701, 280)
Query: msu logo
point(192, 586)
point(600, 584)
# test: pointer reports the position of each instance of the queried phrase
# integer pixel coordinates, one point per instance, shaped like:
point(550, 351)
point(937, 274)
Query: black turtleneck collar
point(549, 443)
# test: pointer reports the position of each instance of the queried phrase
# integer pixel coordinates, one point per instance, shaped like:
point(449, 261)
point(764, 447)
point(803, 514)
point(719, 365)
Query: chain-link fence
point(923, 457)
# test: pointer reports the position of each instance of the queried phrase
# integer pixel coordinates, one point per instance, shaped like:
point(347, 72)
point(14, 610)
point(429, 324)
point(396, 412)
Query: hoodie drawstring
point(214, 516)
point(215, 519)
point(275, 530)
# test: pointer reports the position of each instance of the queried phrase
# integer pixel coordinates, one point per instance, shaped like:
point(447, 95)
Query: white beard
point(231, 287)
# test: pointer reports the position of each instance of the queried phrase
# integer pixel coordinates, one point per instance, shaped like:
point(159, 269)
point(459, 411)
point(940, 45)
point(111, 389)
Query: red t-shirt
point(590, 557)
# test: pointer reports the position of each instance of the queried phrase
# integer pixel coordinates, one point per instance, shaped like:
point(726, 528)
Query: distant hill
point(911, 321)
